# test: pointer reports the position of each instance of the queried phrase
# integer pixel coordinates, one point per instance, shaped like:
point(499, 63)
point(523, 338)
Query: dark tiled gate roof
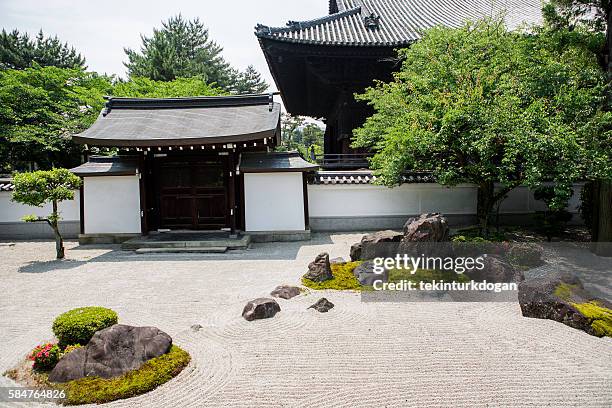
point(142, 122)
point(396, 22)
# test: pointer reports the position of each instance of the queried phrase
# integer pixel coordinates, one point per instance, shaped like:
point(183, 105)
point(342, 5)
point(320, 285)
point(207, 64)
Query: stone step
point(242, 242)
point(207, 250)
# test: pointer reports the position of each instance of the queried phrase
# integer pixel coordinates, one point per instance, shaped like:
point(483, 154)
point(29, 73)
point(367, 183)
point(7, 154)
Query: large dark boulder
point(112, 352)
point(495, 270)
point(285, 292)
point(380, 244)
point(366, 276)
point(427, 234)
point(261, 308)
point(562, 297)
point(319, 270)
point(322, 305)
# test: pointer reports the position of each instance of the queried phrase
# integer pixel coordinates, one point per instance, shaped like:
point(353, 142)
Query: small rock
point(286, 291)
point(261, 308)
point(525, 254)
point(196, 327)
point(112, 352)
point(319, 270)
point(323, 305)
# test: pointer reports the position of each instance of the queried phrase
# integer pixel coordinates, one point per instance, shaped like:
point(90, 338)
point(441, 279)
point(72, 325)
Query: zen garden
point(394, 203)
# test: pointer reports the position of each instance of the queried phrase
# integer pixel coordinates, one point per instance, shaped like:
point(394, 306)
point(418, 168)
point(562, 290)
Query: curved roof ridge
point(261, 29)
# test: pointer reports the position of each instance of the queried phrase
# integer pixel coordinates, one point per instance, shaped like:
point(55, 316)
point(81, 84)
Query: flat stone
point(112, 352)
point(260, 308)
point(286, 291)
point(323, 305)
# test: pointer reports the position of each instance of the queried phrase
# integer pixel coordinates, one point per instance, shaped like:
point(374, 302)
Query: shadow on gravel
point(49, 266)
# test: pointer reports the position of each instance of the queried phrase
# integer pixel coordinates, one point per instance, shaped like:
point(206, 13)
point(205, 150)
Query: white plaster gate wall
point(274, 202)
point(111, 204)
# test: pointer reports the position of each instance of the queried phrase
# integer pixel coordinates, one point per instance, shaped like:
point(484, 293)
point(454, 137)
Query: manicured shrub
point(45, 356)
point(153, 373)
point(77, 326)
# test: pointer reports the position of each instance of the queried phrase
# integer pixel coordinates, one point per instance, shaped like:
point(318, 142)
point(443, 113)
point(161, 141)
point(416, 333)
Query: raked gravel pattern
point(356, 355)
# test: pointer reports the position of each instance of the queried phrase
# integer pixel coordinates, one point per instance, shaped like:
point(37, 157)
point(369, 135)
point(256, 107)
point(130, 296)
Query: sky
point(100, 30)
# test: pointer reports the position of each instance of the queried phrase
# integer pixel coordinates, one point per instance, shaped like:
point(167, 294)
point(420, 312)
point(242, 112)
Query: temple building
point(318, 65)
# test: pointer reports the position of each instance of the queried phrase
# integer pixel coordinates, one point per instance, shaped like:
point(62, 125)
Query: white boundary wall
point(112, 204)
point(274, 202)
point(337, 207)
point(13, 212)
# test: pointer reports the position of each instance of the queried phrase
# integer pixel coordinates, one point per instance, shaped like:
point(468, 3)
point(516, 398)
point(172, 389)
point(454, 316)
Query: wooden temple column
point(231, 193)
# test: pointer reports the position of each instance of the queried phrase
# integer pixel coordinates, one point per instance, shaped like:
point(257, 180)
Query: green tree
point(19, 51)
point(248, 82)
point(43, 187)
point(312, 134)
point(595, 16)
point(139, 87)
point(483, 105)
point(180, 48)
point(40, 109)
point(291, 134)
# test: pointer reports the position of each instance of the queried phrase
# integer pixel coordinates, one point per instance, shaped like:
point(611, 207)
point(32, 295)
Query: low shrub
point(153, 373)
point(77, 326)
point(343, 278)
point(45, 356)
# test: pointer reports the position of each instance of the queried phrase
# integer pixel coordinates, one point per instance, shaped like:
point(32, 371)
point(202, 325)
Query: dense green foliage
point(139, 87)
point(152, 374)
point(40, 108)
point(297, 134)
point(483, 105)
point(77, 326)
point(183, 48)
point(19, 51)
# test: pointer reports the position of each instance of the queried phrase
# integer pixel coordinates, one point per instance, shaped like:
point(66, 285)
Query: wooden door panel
point(176, 211)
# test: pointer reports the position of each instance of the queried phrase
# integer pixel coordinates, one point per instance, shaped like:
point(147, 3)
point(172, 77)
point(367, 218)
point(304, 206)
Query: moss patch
point(599, 316)
point(153, 373)
point(564, 291)
point(343, 278)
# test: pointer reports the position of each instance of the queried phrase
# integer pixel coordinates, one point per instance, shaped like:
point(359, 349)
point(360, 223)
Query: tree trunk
point(59, 241)
point(485, 205)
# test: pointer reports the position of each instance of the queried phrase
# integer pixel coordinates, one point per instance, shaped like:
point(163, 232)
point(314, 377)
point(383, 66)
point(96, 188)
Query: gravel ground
point(357, 355)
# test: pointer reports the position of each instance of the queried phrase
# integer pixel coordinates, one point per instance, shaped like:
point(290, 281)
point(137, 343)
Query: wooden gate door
point(193, 193)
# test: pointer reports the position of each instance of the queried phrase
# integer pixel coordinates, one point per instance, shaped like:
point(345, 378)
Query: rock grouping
point(112, 352)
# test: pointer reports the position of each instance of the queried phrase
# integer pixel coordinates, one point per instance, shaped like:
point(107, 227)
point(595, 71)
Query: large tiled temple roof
point(396, 22)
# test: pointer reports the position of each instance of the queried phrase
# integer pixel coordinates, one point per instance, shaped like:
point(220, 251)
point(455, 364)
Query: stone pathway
point(356, 355)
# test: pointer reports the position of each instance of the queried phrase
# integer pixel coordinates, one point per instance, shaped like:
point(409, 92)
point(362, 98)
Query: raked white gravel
point(357, 355)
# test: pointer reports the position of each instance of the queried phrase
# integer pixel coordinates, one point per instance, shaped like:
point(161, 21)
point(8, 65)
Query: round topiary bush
point(77, 326)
